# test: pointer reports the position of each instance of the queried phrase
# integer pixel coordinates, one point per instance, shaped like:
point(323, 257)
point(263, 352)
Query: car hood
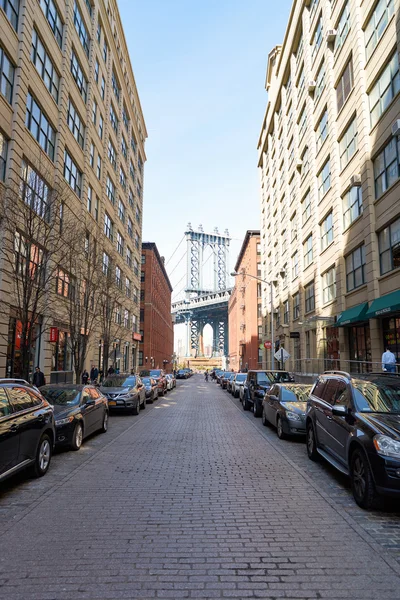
point(296, 407)
point(385, 423)
point(115, 390)
point(62, 412)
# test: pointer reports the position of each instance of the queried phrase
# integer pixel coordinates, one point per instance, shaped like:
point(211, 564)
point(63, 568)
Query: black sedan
point(79, 411)
point(181, 374)
point(224, 379)
point(284, 406)
point(151, 389)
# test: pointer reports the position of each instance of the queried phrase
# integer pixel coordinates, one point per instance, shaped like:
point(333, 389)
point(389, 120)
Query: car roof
point(66, 386)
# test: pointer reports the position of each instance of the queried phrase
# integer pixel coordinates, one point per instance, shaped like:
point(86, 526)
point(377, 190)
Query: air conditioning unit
point(331, 35)
point(355, 180)
point(311, 86)
point(299, 164)
point(396, 128)
point(242, 306)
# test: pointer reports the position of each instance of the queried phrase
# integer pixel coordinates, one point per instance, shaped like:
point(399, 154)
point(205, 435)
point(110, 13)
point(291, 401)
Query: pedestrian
point(94, 373)
point(101, 375)
point(388, 361)
point(85, 377)
point(111, 370)
point(38, 378)
point(206, 375)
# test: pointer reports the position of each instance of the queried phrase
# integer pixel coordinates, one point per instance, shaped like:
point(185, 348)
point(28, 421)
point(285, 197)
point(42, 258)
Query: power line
point(177, 265)
point(170, 258)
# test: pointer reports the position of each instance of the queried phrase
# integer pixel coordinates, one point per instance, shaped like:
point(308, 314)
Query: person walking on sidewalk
point(388, 361)
point(94, 373)
point(38, 378)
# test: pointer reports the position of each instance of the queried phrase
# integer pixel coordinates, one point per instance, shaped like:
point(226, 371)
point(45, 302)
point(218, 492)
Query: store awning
point(384, 305)
point(353, 315)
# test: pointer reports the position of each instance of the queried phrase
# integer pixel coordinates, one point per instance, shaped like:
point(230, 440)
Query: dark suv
point(27, 431)
point(124, 392)
point(354, 423)
point(257, 384)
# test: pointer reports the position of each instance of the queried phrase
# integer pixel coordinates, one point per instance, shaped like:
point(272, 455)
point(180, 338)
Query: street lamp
point(271, 285)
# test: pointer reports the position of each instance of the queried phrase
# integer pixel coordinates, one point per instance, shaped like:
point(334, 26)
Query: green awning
point(384, 305)
point(353, 315)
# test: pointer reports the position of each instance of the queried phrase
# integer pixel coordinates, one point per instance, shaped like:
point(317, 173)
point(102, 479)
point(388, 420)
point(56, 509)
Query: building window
point(34, 191)
point(306, 208)
point(89, 199)
point(327, 231)
point(121, 210)
point(348, 143)
point(345, 85)
point(53, 16)
point(79, 77)
point(352, 205)
point(91, 155)
point(305, 158)
point(96, 208)
point(103, 88)
point(309, 295)
point(385, 89)
point(118, 277)
point(137, 240)
point(127, 287)
point(377, 24)
point(387, 166)
point(125, 117)
point(296, 306)
point(308, 251)
point(302, 123)
point(120, 244)
point(124, 147)
point(106, 264)
point(130, 227)
point(98, 172)
point(319, 82)
point(113, 118)
point(72, 174)
point(75, 124)
point(342, 28)
point(301, 81)
point(3, 156)
point(324, 179)
point(110, 190)
point(133, 144)
point(94, 112)
point(112, 154)
point(139, 190)
point(295, 265)
point(355, 269)
point(131, 199)
point(389, 247)
point(132, 170)
point(105, 50)
point(101, 126)
point(65, 284)
point(28, 259)
point(142, 277)
point(108, 227)
point(129, 257)
point(115, 85)
point(286, 312)
point(122, 178)
point(81, 29)
point(39, 126)
point(118, 315)
point(45, 66)
point(317, 37)
point(135, 295)
point(143, 259)
point(322, 130)
point(329, 286)
point(96, 71)
point(98, 32)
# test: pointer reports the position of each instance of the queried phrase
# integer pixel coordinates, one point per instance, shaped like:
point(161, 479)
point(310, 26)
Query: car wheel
point(311, 443)
point(256, 409)
point(104, 426)
point(150, 400)
point(77, 438)
point(265, 421)
point(161, 393)
point(362, 484)
point(136, 408)
point(43, 457)
point(245, 403)
point(279, 429)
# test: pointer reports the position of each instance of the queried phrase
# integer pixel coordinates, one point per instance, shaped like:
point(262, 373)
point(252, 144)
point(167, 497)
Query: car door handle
point(14, 427)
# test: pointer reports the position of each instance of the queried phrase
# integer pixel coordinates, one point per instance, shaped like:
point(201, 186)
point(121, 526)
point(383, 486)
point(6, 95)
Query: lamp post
point(271, 285)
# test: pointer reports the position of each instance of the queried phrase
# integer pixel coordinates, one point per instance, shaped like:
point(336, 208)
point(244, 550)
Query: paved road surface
point(192, 499)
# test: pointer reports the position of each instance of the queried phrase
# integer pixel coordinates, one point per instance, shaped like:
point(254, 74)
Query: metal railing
point(316, 366)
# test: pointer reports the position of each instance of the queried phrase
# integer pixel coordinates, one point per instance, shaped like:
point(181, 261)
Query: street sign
point(268, 345)
point(282, 355)
point(295, 335)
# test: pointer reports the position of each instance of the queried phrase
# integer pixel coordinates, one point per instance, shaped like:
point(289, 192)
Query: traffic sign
point(282, 355)
point(268, 345)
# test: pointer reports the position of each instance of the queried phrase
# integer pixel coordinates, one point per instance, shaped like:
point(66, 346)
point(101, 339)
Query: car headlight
point(387, 446)
point(64, 421)
point(292, 416)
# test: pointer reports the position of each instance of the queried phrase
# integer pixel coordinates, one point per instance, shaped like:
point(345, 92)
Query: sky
point(200, 71)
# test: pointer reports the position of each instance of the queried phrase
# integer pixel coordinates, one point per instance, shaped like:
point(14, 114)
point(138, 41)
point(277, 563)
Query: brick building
point(157, 345)
point(244, 309)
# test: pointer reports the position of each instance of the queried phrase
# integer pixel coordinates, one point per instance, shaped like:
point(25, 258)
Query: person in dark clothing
point(85, 377)
point(111, 371)
point(94, 373)
point(38, 378)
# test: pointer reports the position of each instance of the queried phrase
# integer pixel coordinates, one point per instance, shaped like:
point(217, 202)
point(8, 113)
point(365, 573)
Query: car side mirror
point(340, 410)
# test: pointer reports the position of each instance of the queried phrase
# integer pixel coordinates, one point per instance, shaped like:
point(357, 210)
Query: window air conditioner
point(396, 128)
point(299, 164)
point(330, 35)
point(355, 180)
point(311, 86)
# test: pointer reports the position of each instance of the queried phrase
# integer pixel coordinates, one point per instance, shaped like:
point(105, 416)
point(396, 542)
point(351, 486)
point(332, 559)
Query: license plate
point(112, 403)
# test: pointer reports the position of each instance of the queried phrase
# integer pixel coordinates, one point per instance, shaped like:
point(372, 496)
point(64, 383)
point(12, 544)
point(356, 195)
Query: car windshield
point(181, 371)
point(228, 374)
point(120, 381)
point(61, 396)
point(156, 373)
point(280, 376)
point(377, 396)
point(146, 380)
point(295, 393)
point(240, 376)
point(265, 378)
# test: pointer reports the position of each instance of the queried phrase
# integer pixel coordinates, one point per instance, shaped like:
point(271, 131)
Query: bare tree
point(36, 223)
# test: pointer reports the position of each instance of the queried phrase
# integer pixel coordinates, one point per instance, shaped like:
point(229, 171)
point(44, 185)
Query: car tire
point(279, 429)
point(77, 437)
point(104, 425)
point(150, 400)
point(257, 411)
point(362, 483)
point(265, 421)
point(144, 404)
point(43, 457)
point(245, 403)
point(311, 443)
point(136, 408)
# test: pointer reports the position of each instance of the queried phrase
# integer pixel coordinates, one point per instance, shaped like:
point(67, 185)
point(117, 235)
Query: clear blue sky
point(200, 71)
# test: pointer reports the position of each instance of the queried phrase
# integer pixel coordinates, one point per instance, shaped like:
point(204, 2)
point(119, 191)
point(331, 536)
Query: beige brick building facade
point(70, 115)
point(329, 161)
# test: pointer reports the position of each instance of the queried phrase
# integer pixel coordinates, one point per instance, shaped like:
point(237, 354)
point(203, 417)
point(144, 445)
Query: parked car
point(227, 376)
point(181, 374)
point(189, 372)
point(27, 429)
point(257, 383)
point(151, 389)
point(284, 406)
point(237, 383)
point(79, 411)
point(124, 392)
point(353, 422)
point(159, 376)
point(171, 381)
point(220, 375)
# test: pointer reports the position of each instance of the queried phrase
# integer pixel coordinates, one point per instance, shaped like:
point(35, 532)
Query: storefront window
point(62, 357)
point(391, 335)
point(331, 348)
point(360, 349)
point(14, 353)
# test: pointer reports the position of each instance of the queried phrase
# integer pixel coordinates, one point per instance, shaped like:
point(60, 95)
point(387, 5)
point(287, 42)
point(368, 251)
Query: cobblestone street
point(192, 499)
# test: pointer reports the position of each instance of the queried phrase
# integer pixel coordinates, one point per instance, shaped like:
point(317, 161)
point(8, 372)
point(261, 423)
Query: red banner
point(53, 334)
point(137, 337)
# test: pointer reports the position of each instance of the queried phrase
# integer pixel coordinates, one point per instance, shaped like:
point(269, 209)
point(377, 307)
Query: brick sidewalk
point(189, 502)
